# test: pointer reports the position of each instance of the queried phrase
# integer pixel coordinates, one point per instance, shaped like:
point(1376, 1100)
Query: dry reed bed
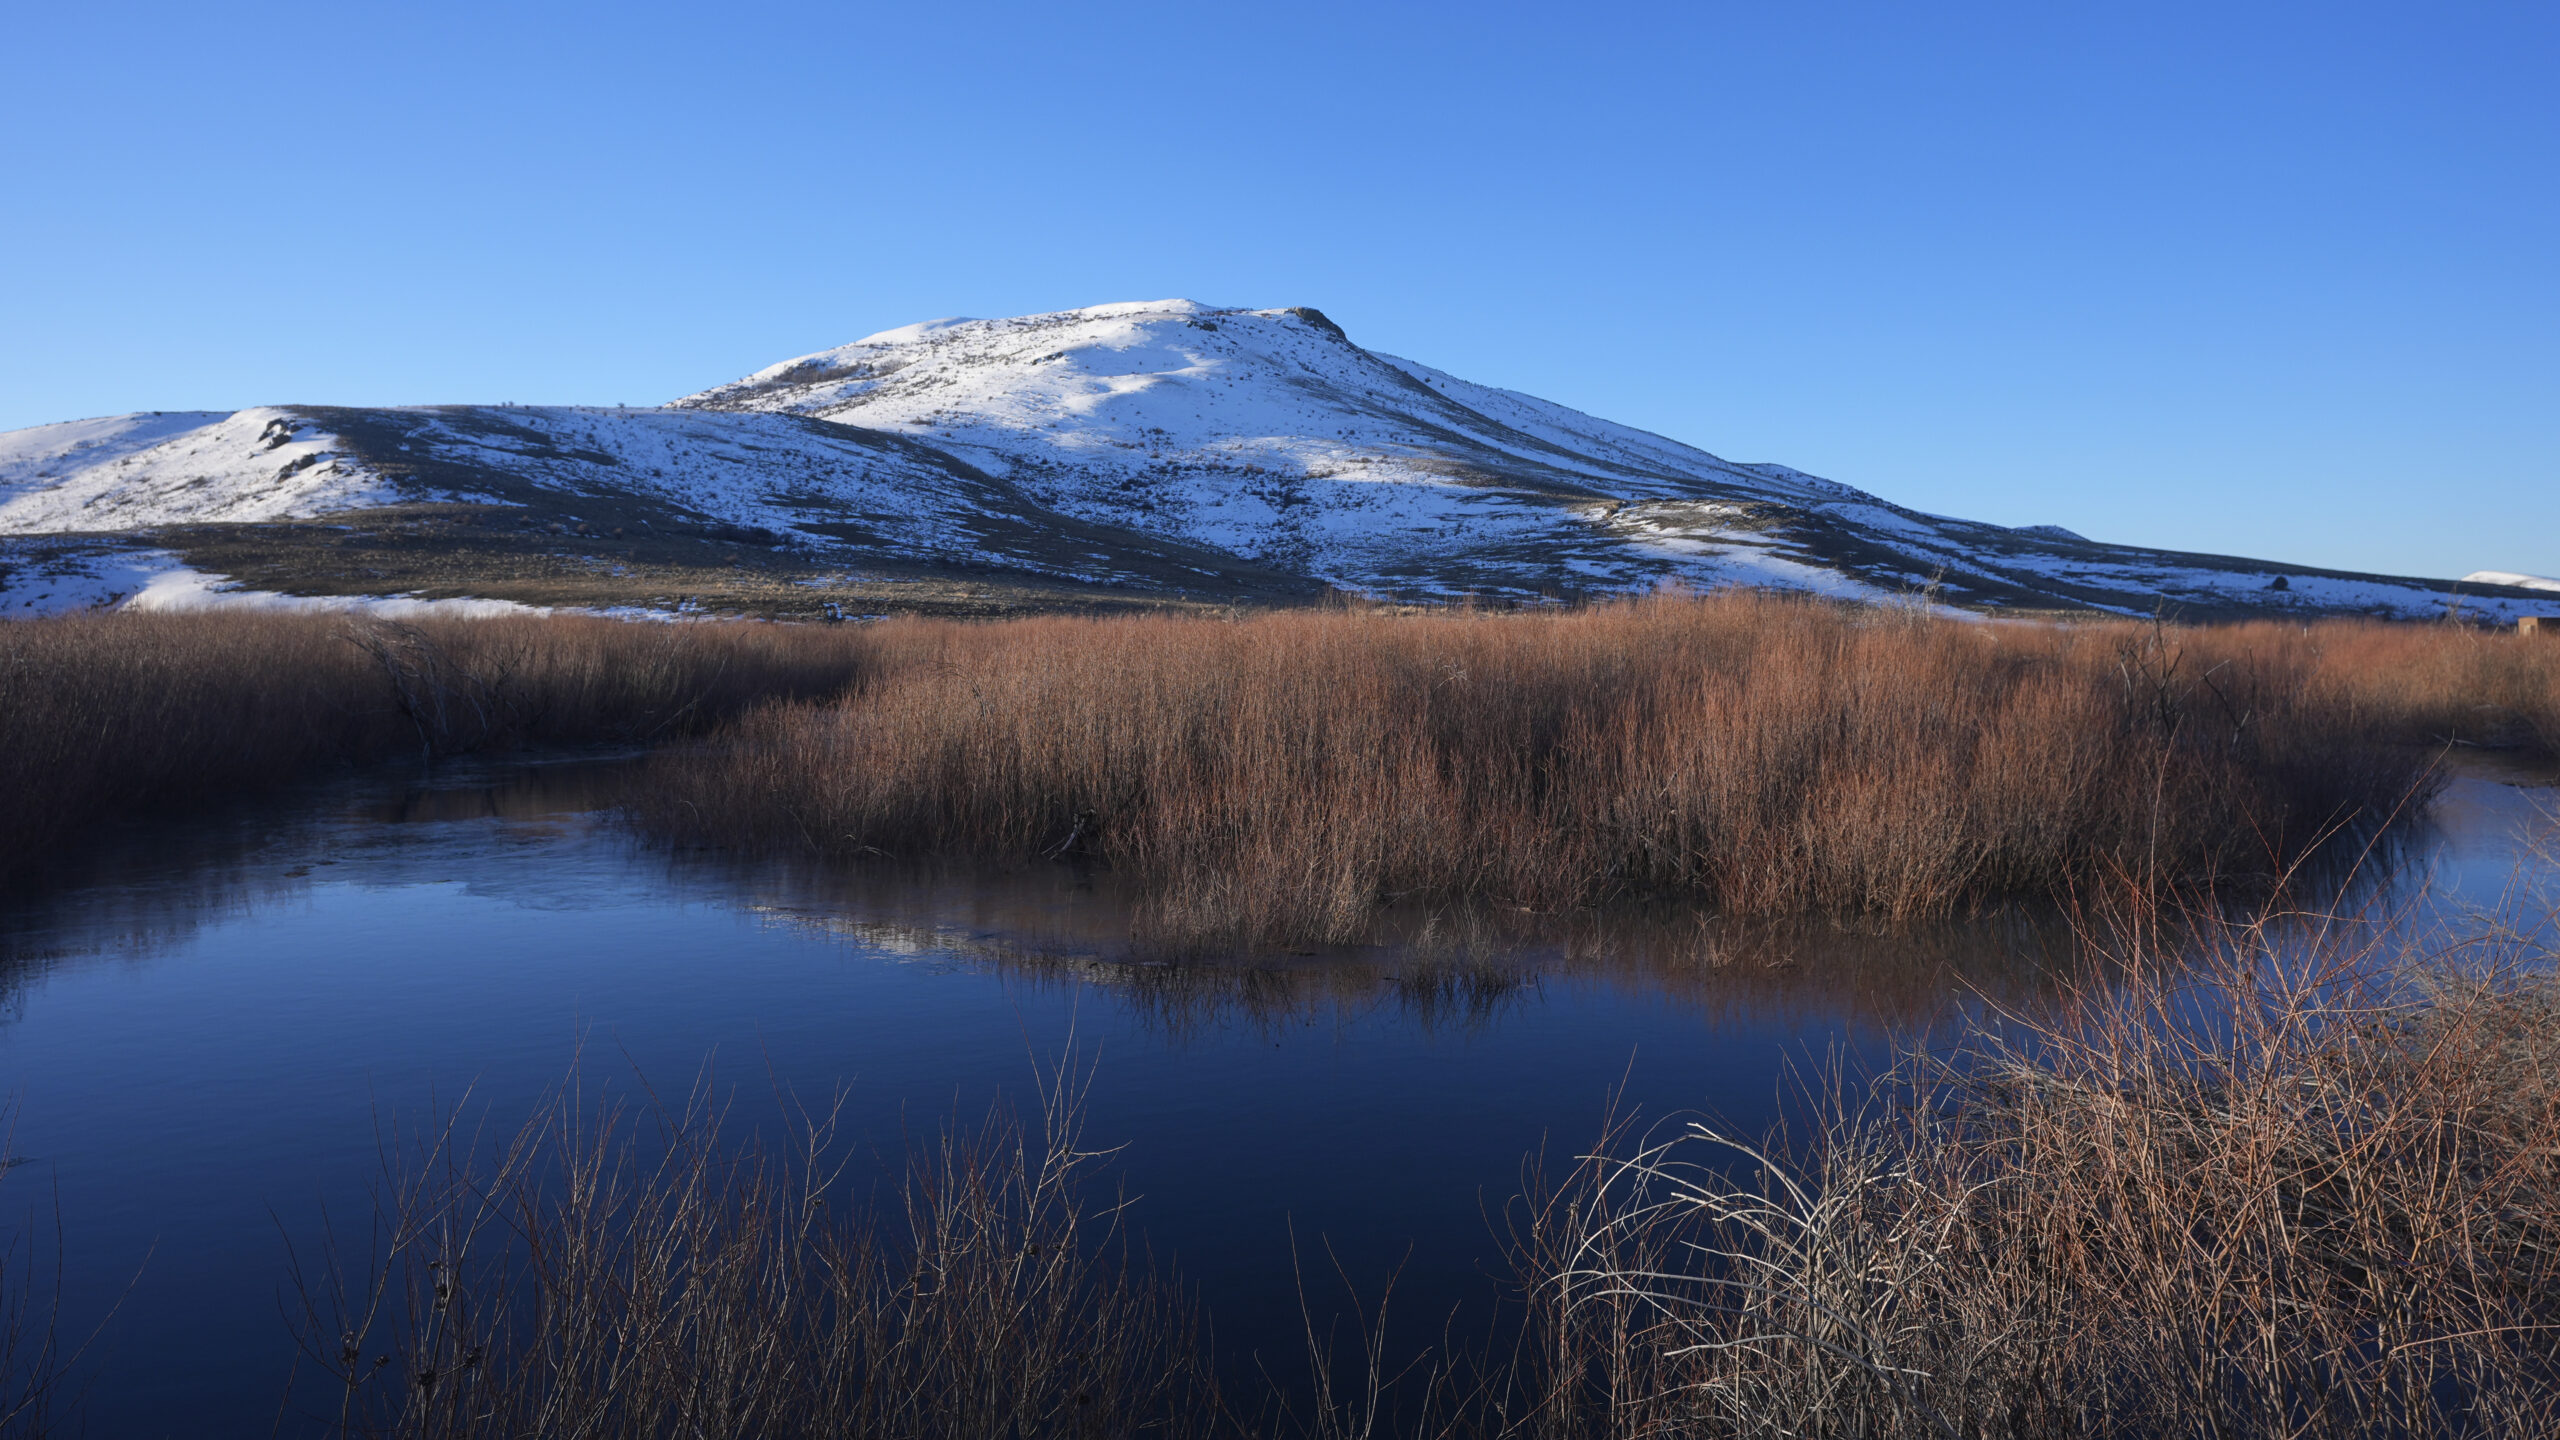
point(1275, 777)
point(116, 715)
point(2437, 683)
point(2279, 1199)
point(1278, 776)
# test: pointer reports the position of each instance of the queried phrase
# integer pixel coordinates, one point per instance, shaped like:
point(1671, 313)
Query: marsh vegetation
point(2242, 1167)
point(1278, 774)
point(1278, 778)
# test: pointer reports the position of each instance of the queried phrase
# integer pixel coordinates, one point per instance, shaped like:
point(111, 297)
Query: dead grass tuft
point(2283, 1197)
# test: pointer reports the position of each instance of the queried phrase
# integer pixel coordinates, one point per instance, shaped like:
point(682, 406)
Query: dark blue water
point(205, 1033)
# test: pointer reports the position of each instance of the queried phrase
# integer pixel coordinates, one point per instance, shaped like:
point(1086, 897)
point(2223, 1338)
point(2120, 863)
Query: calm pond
point(204, 1031)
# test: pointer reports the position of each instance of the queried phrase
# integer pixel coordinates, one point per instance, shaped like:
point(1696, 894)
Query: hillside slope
point(1151, 447)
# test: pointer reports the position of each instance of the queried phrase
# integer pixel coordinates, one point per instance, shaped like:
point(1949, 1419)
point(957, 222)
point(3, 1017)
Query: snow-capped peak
point(1264, 432)
point(1132, 387)
point(1157, 443)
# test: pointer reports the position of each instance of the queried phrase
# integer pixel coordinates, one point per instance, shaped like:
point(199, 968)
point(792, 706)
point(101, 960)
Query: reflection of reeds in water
point(1466, 964)
point(137, 889)
point(1456, 965)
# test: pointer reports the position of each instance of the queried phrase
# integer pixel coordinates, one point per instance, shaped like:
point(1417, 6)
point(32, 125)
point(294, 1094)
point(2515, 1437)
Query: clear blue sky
point(2279, 281)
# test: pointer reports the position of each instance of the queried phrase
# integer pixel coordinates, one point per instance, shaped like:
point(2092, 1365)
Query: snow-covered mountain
point(1160, 444)
point(2512, 579)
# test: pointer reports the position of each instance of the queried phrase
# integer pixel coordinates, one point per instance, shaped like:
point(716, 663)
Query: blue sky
point(2272, 280)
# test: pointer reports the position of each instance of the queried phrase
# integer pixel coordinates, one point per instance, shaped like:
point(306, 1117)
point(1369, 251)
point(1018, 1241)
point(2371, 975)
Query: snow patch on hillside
point(2510, 577)
point(37, 457)
point(61, 584)
point(180, 589)
point(157, 581)
point(762, 470)
point(134, 471)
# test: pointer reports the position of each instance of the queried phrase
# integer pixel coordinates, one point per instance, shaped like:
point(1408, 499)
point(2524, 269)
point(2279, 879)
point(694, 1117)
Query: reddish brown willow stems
point(1276, 777)
point(104, 716)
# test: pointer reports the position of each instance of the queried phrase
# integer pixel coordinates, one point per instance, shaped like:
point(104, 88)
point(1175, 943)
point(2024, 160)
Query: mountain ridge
point(1150, 446)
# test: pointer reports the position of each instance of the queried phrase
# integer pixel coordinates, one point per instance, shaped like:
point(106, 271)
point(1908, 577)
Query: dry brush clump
point(1279, 776)
point(621, 1274)
point(2440, 684)
point(103, 716)
point(2286, 1196)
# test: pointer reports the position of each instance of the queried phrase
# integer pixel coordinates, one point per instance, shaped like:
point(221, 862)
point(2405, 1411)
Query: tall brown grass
point(1277, 777)
point(2302, 1197)
point(105, 716)
point(2438, 684)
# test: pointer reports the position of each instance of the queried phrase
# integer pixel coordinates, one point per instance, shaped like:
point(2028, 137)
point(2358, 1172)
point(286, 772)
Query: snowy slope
point(1164, 444)
point(1270, 434)
point(2509, 577)
point(778, 475)
point(130, 471)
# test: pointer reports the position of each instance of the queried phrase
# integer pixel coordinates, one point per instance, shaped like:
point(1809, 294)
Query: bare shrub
point(2280, 1197)
point(614, 1273)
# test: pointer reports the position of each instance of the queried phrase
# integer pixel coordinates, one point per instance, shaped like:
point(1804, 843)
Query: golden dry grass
point(2303, 1196)
point(1276, 777)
